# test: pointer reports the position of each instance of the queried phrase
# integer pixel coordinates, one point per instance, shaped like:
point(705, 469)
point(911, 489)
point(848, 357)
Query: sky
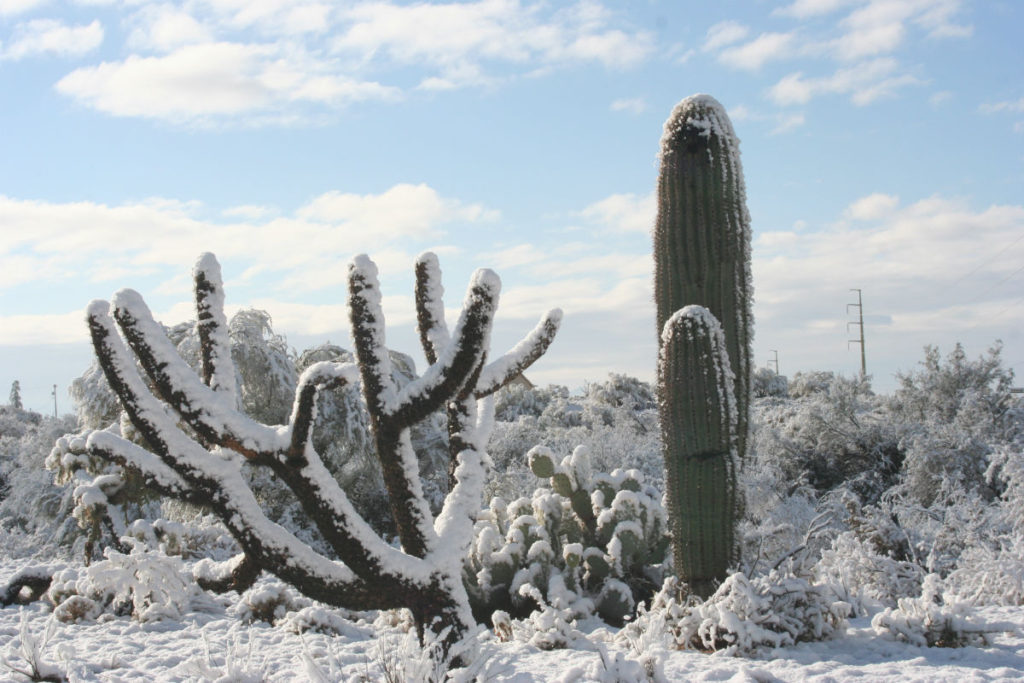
point(882, 143)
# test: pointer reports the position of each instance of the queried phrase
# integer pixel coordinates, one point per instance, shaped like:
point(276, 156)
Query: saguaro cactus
point(698, 428)
point(702, 233)
point(702, 258)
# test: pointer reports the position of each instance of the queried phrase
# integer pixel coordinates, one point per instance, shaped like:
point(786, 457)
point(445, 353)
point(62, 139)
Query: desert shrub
point(935, 619)
point(745, 616)
point(145, 584)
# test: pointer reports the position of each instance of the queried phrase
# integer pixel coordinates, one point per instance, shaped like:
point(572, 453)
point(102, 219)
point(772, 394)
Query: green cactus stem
point(698, 420)
point(702, 234)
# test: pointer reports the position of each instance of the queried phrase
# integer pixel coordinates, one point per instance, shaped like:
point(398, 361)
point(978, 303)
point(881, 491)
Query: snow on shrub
point(935, 619)
point(146, 584)
point(864, 577)
point(745, 616)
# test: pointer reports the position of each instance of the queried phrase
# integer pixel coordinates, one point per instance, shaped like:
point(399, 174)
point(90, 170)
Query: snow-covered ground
point(213, 642)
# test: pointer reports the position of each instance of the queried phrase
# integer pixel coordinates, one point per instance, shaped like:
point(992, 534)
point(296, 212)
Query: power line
point(859, 323)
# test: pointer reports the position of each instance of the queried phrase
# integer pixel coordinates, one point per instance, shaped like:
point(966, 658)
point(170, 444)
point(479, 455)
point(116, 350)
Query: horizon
point(881, 142)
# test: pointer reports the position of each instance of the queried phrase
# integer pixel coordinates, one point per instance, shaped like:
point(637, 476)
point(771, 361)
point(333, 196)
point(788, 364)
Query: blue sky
point(881, 143)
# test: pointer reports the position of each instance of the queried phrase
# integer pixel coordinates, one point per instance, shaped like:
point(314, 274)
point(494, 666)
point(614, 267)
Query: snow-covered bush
point(935, 619)
point(146, 584)
point(834, 436)
point(865, 577)
point(746, 616)
point(617, 420)
point(33, 510)
point(585, 541)
point(954, 412)
point(765, 382)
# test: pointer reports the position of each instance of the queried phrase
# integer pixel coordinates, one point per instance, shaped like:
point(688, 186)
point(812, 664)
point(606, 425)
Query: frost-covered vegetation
point(905, 512)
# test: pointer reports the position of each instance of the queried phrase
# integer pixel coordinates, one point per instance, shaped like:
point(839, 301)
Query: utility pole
point(55, 400)
point(860, 324)
point(775, 360)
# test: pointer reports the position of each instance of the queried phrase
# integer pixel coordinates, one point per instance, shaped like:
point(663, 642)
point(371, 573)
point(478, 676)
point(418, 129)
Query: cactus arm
point(514, 362)
point(698, 432)
point(433, 331)
point(212, 326)
point(316, 378)
point(213, 417)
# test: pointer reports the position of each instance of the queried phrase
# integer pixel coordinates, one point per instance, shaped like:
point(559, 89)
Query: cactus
point(698, 431)
point(586, 542)
point(702, 234)
point(703, 296)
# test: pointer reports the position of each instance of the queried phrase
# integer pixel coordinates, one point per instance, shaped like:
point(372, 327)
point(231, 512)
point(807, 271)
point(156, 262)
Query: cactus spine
point(702, 259)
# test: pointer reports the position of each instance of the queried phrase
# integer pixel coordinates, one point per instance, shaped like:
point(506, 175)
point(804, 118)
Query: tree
point(15, 398)
point(197, 440)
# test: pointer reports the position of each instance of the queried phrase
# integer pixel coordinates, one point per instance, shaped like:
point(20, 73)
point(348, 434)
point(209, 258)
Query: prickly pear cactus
point(588, 542)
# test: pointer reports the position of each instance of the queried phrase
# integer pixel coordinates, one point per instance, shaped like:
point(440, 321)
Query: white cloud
point(285, 62)
point(454, 36)
point(940, 98)
point(166, 27)
point(864, 83)
point(1012, 106)
point(402, 211)
point(873, 207)
point(754, 54)
point(803, 9)
point(12, 7)
point(623, 212)
point(787, 123)
point(198, 83)
point(724, 33)
point(634, 105)
point(919, 264)
point(84, 240)
point(51, 37)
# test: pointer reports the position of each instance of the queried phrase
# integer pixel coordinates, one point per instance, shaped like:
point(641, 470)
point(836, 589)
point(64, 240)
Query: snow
point(210, 641)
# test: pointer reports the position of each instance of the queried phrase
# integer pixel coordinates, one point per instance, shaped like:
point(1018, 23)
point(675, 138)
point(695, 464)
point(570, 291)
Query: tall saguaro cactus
point(702, 258)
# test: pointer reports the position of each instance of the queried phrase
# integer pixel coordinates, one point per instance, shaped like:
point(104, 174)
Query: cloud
point(1012, 106)
point(13, 7)
point(861, 38)
point(623, 212)
point(634, 105)
point(873, 207)
point(754, 54)
point(51, 37)
point(277, 62)
point(918, 264)
point(787, 123)
point(724, 33)
point(803, 9)
point(864, 83)
point(199, 83)
point(166, 27)
point(454, 36)
point(83, 241)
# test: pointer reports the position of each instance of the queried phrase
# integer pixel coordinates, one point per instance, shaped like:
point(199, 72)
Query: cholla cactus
point(586, 542)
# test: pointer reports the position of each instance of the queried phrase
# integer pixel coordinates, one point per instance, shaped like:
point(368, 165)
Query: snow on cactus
point(586, 542)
